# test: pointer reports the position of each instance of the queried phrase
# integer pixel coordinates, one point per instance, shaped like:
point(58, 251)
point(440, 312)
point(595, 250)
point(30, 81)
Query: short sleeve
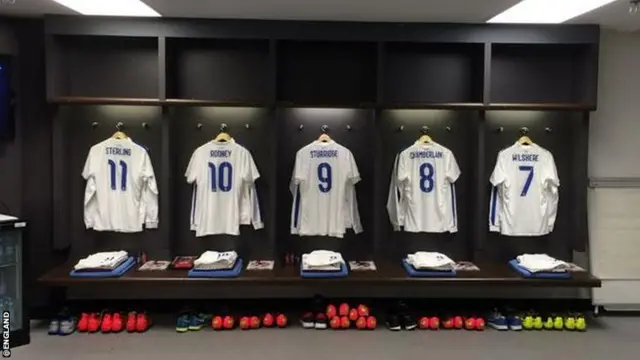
point(354, 174)
point(550, 173)
point(499, 173)
point(452, 169)
point(88, 170)
point(191, 173)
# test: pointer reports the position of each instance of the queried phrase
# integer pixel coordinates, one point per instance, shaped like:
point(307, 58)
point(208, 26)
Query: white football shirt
point(324, 197)
point(422, 196)
point(121, 192)
point(223, 174)
point(524, 198)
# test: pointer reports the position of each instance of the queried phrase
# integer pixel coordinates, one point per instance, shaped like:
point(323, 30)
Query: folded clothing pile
point(101, 261)
point(213, 264)
point(432, 261)
point(537, 263)
point(323, 264)
point(213, 260)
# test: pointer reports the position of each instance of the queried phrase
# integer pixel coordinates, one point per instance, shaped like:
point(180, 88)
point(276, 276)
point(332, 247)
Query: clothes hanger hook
point(199, 126)
point(448, 128)
point(94, 124)
point(223, 127)
point(548, 129)
point(324, 128)
point(524, 130)
point(301, 127)
point(145, 125)
point(425, 130)
point(119, 126)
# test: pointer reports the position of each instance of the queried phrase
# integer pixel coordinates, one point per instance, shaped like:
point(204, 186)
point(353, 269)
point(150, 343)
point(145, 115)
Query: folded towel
point(102, 260)
point(227, 258)
point(430, 260)
point(318, 258)
point(541, 263)
point(330, 264)
point(539, 275)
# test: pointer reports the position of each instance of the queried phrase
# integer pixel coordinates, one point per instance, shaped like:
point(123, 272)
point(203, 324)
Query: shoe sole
point(307, 325)
point(410, 327)
point(499, 327)
point(195, 328)
point(182, 330)
point(515, 328)
point(320, 326)
point(394, 328)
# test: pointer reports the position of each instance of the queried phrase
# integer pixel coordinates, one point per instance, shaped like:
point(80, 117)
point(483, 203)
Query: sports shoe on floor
point(143, 322)
point(182, 323)
point(470, 323)
point(434, 323)
point(547, 323)
point(409, 322)
point(116, 323)
point(321, 321)
point(497, 321)
point(538, 324)
point(95, 320)
point(570, 322)
point(514, 322)
point(581, 322)
point(527, 321)
point(105, 327)
point(196, 322)
point(558, 322)
point(393, 323)
point(83, 323)
point(480, 324)
point(308, 321)
point(131, 321)
point(447, 322)
point(67, 326)
point(54, 326)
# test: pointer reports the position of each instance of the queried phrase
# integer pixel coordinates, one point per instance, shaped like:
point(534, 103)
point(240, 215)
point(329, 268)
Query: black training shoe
point(409, 322)
point(308, 321)
point(393, 323)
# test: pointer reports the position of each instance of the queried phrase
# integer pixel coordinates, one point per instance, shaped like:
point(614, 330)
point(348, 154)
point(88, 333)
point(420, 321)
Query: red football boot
point(448, 323)
point(94, 322)
point(116, 323)
point(131, 322)
point(142, 322)
point(105, 327)
point(470, 323)
point(83, 323)
point(458, 323)
point(480, 324)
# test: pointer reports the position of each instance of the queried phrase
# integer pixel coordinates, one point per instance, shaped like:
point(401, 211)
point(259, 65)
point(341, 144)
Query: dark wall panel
point(360, 140)
point(555, 132)
point(85, 126)
point(251, 128)
point(398, 129)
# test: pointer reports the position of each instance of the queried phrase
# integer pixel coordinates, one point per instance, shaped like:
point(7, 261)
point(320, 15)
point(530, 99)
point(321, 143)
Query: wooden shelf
point(540, 106)
point(76, 100)
point(196, 102)
point(294, 104)
point(451, 106)
point(387, 274)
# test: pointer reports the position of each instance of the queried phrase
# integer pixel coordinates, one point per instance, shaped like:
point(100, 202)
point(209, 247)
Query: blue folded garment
point(233, 272)
point(344, 272)
point(413, 272)
point(117, 272)
point(539, 275)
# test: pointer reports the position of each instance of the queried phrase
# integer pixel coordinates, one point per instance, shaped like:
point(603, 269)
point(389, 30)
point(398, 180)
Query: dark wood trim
point(387, 274)
point(323, 30)
point(291, 104)
point(445, 106)
point(194, 102)
point(162, 68)
point(540, 106)
point(486, 84)
point(75, 100)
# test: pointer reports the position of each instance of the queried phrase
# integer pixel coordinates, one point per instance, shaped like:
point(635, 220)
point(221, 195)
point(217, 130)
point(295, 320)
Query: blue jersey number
point(324, 177)
point(426, 177)
point(123, 175)
point(527, 183)
point(221, 179)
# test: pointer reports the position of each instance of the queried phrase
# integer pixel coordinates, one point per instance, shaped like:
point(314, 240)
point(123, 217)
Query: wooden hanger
point(525, 140)
point(223, 136)
point(324, 137)
point(119, 134)
point(425, 139)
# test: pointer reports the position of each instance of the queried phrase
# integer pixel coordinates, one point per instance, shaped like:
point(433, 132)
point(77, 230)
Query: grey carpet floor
point(607, 338)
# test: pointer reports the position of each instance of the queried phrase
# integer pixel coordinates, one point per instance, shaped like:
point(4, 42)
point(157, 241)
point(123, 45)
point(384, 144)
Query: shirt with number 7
point(524, 197)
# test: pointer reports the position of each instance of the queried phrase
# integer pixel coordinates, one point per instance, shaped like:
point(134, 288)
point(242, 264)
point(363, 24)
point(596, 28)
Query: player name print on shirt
point(224, 197)
point(121, 193)
point(524, 197)
point(323, 189)
point(422, 196)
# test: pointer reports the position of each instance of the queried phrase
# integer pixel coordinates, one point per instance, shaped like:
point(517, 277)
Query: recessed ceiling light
point(110, 7)
point(547, 11)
